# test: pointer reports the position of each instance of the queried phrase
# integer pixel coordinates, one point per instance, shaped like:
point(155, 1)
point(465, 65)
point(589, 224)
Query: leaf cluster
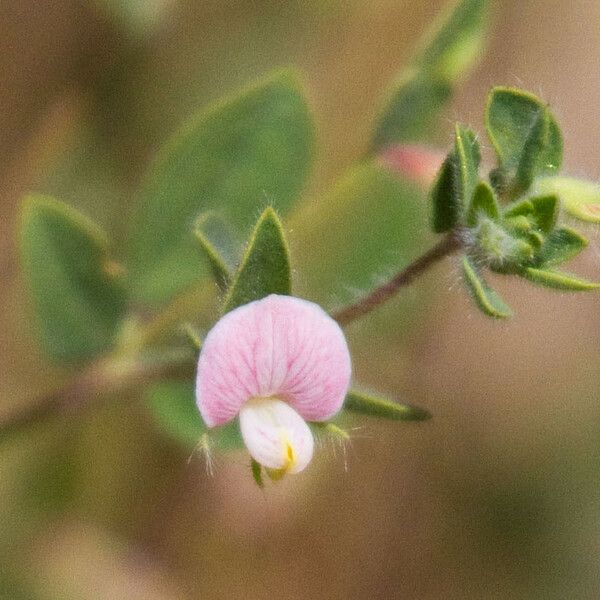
point(510, 222)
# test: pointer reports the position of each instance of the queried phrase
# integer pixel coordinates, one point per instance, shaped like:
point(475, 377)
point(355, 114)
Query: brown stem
point(107, 376)
point(445, 247)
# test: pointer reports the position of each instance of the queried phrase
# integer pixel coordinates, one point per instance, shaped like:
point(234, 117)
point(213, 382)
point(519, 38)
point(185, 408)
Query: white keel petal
point(276, 436)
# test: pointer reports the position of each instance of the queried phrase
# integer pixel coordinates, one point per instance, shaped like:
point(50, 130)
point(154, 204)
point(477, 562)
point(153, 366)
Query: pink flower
point(277, 363)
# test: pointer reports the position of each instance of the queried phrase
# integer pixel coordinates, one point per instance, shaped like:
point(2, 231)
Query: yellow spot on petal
point(289, 459)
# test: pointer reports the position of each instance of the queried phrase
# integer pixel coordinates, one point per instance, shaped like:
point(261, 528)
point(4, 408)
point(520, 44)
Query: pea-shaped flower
point(277, 363)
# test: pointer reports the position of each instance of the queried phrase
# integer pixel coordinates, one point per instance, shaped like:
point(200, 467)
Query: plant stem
point(118, 374)
point(448, 245)
point(106, 376)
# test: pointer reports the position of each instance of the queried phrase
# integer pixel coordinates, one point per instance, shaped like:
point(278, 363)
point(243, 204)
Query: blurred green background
point(497, 497)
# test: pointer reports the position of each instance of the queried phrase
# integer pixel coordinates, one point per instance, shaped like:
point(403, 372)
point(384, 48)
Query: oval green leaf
point(525, 136)
point(445, 200)
point(468, 157)
point(484, 203)
point(76, 290)
point(560, 246)
point(240, 155)
point(453, 189)
point(541, 211)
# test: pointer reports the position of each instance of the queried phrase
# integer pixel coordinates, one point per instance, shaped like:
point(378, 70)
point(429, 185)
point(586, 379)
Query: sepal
point(265, 267)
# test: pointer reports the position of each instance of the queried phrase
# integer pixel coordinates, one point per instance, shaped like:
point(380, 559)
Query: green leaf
point(524, 226)
point(468, 158)
point(412, 109)
point(456, 181)
point(240, 155)
point(518, 209)
point(455, 40)
point(204, 232)
point(445, 198)
point(535, 239)
point(76, 291)
point(484, 203)
point(370, 223)
point(550, 159)
point(415, 101)
point(486, 299)
point(265, 268)
point(533, 150)
point(560, 246)
point(173, 406)
point(580, 198)
point(542, 211)
point(558, 280)
point(511, 114)
point(524, 134)
point(374, 406)
point(545, 212)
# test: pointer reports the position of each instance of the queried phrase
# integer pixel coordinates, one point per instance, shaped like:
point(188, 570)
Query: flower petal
point(276, 436)
point(279, 346)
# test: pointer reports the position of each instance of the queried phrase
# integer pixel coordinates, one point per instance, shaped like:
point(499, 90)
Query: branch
point(448, 245)
point(111, 375)
point(104, 377)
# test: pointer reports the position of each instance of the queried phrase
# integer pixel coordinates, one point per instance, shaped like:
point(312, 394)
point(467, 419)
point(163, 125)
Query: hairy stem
point(448, 245)
point(104, 377)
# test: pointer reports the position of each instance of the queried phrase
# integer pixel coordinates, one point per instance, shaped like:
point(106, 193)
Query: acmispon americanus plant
point(274, 369)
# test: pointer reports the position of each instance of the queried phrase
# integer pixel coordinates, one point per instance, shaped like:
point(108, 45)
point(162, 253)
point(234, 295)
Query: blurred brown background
point(497, 497)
